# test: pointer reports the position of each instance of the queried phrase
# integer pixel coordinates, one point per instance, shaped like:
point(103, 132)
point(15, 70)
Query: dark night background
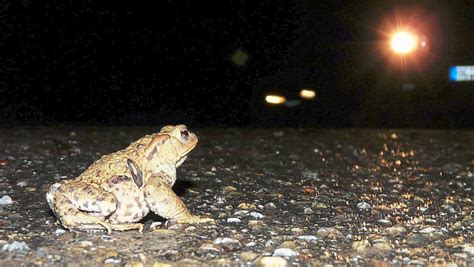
point(102, 63)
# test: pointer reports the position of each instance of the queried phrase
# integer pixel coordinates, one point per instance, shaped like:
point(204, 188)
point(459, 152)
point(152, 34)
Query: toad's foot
point(164, 202)
point(196, 219)
point(127, 226)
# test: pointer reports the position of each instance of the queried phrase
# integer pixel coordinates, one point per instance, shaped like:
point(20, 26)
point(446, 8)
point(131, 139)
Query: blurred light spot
point(403, 42)
point(292, 103)
point(239, 57)
point(307, 94)
point(423, 44)
point(275, 99)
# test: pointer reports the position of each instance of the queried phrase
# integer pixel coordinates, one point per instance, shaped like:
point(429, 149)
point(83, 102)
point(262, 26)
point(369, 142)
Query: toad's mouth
point(185, 155)
point(181, 160)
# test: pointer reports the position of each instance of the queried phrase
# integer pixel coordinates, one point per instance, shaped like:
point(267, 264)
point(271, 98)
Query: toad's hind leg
point(81, 206)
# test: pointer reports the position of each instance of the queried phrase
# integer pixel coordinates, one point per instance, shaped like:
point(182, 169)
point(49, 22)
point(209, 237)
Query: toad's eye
point(185, 135)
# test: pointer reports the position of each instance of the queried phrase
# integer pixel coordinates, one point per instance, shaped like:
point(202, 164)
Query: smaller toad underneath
point(121, 188)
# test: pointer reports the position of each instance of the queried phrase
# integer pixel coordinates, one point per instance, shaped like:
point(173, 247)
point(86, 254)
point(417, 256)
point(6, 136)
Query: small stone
point(308, 210)
point(255, 224)
point(227, 244)
point(427, 230)
point(454, 241)
point(161, 264)
point(468, 248)
point(209, 247)
point(256, 215)
point(288, 244)
point(318, 205)
point(135, 264)
point(461, 255)
point(271, 261)
point(329, 232)
point(16, 246)
point(448, 208)
point(229, 188)
point(6, 200)
point(308, 237)
point(251, 244)
point(246, 206)
point(270, 206)
point(395, 230)
point(112, 261)
point(190, 228)
point(417, 240)
point(285, 252)
point(361, 245)
point(311, 174)
point(233, 220)
point(297, 230)
point(60, 232)
point(381, 244)
point(22, 184)
point(85, 243)
point(248, 256)
point(385, 221)
point(155, 224)
point(363, 205)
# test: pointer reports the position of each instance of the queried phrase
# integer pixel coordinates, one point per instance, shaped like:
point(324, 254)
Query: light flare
point(275, 99)
point(403, 42)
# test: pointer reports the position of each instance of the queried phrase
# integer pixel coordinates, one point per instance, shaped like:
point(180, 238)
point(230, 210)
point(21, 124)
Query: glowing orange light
point(275, 99)
point(403, 42)
point(307, 94)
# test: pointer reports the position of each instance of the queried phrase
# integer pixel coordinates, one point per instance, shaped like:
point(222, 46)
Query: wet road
point(279, 196)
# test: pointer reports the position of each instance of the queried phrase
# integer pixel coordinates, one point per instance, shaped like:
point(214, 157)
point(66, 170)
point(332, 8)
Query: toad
point(121, 188)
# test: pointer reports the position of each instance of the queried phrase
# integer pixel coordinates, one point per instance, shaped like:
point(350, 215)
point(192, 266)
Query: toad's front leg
point(161, 199)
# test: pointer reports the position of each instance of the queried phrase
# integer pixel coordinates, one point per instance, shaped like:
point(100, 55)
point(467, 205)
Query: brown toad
point(121, 188)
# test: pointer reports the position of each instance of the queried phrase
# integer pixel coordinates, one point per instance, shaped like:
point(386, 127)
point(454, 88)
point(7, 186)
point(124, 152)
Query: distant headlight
point(403, 42)
point(307, 94)
point(275, 99)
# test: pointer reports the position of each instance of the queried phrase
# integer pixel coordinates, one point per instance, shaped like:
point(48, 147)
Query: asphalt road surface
point(279, 196)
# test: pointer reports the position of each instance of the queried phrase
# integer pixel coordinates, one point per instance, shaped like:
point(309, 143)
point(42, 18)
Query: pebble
point(270, 205)
point(234, 220)
point(381, 244)
point(454, 241)
point(318, 205)
point(228, 244)
point(6, 200)
point(251, 244)
point(22, 184)
point(256, 215)
point(329, 232)
point(417, 240)
point(395, 230)
point(209, 247)
point(427, 230)
point(275, 261)
point(288, 244)
point(308, 210)
point(229, 188)
point(60, 232)
point(248, 256)
point(308, 237)
point(16, 246)
point(246, 206)
point(363, 205)
point(361, 245)
point(468, 248)
point(285, 252)
point(86, 243)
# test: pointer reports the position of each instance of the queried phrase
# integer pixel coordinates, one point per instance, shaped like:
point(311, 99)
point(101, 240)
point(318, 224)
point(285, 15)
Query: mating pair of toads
point(121, 188)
